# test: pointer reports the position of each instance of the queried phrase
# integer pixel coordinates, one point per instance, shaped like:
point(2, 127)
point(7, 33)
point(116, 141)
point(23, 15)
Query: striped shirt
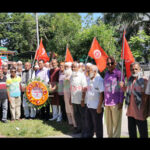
point(3, 88)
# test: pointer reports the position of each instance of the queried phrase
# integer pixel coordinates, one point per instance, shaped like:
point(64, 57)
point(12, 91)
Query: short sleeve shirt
point(13, 85)
point(77, 84)
point(95, 87)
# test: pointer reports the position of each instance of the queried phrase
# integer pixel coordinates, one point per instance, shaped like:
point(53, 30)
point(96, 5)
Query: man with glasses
point(113, 98)
point(14, 94)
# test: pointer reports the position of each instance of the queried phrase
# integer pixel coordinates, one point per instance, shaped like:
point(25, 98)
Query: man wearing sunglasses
point(113, 98)
point(14, 93)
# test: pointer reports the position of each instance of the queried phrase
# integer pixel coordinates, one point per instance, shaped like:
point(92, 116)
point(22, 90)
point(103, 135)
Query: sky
point(95, 15)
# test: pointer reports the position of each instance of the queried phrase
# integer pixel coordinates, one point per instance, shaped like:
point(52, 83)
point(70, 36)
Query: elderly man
point(42, 73)
point(3, 96)
point(61, 90)
point(135, 100)
point(94, 100)
point(54, 80)
point(14, 64)
point(29, 110)
point(113, 98)
point(67, 94)
point(78, 84)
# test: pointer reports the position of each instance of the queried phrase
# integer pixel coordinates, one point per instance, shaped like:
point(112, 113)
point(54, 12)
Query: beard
point(136, 74)
point(74, 74)
point(67, 72)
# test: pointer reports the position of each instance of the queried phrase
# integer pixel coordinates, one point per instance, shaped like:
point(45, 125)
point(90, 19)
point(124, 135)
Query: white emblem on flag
point(97, 54)
point(43, 51)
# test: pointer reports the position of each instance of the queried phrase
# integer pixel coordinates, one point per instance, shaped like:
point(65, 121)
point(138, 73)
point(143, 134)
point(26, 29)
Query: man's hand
point(82, 103)
point(70, 101)
point(99, 110)
point(121, 83)
point(120, 106)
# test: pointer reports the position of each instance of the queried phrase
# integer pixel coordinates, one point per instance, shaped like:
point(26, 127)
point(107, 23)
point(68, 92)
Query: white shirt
point(42, 74)
point(77, 83)
point(95, 87)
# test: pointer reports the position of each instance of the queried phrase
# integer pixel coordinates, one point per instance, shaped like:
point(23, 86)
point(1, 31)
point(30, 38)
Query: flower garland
point(37, 93)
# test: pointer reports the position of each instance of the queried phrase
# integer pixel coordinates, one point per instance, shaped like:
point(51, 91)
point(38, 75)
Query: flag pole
point(88, 55)
point(123, 55)
point(37, 33)
point(66, 51)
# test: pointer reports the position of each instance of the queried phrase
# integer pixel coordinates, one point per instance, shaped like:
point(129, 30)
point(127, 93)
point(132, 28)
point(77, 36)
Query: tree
point(140, 45)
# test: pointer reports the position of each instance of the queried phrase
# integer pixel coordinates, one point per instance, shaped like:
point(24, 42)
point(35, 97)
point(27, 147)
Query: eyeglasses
point(112, 63)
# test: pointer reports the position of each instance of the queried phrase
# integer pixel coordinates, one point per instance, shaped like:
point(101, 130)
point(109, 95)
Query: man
point(54, 79)
point(61, 90)
point(19, 71)
point(29, 110)
point(43, 75)
point(14, 94)
point(78, 84)
point(94, 100)
point(135, 100)
point(67, 95)
point(14, 64)
point(3, 96)
point(113, 98)
point(5, 71)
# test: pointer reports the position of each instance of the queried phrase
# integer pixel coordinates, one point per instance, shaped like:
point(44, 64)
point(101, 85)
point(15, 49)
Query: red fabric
point(98, 54)
point(128, 57)
point(41, 53)
point(68, 56)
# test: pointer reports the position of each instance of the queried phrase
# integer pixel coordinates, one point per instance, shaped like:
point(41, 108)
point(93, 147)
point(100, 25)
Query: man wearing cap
point(67, 94)
point(78, 84)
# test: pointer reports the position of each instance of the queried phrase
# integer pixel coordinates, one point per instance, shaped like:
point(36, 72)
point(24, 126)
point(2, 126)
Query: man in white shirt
point(78, 84)
point(42, 73)
point(94, 102)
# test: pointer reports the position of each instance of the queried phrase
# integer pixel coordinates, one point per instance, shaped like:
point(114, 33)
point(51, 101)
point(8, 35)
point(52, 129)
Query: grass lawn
point(33, 128)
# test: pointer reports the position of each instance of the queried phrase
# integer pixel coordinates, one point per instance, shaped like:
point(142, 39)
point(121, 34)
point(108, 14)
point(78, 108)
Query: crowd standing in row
point(80, 96)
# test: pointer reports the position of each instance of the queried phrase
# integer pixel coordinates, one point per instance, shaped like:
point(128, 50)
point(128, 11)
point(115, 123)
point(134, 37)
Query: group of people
point(80, 95)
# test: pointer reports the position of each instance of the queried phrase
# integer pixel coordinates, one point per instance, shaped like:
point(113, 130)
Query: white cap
point(68, 63)
point(36, 66)
point(19, 62)
point(81, 63)
point(88, 64)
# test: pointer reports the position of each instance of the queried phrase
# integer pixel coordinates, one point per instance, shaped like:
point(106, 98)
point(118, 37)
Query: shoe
point(52, 119)
point(76, 131)
point(59, 119)
point(4, 121)
point(32, 118)
point(27, 117)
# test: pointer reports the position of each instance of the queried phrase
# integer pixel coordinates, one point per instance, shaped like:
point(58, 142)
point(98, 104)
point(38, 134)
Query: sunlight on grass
point(33, 128)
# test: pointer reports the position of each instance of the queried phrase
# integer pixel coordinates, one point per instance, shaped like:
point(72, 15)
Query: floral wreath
point(37, 93)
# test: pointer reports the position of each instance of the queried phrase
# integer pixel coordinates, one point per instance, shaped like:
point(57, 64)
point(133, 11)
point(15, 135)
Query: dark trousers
point(79, 114)
point(142, 127)
point(22, 109)
point(63, 109)
point(94, 122)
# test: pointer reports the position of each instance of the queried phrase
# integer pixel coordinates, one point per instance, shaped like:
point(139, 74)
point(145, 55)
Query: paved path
point(124, 129)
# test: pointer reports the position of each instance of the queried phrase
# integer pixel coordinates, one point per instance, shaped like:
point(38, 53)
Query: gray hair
point(94, 68)
point(135, 63)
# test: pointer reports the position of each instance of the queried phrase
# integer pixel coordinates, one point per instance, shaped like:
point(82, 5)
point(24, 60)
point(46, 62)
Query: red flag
point(68, 57)
point(128, 57)
point(98, 54)
point(41, 53)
